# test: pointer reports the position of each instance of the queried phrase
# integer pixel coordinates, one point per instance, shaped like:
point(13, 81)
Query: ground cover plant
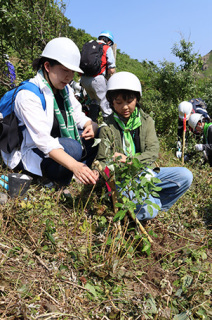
point(65, 258)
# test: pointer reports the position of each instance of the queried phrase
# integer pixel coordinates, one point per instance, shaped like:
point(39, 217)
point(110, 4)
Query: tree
point(25, 28)
point(189, 60)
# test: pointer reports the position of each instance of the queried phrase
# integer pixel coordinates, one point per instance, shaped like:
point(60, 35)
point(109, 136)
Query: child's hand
point(123, 157)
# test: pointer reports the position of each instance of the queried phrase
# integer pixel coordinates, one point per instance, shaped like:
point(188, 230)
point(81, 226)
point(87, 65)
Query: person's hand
point(199, 147)
point(90, 131)
point(118, 154)
point(85, 174)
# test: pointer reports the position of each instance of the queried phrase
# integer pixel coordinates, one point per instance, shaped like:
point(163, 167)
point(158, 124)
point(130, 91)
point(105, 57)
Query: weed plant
point(66, 258)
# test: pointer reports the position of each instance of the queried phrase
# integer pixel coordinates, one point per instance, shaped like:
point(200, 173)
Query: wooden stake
point(184, 132)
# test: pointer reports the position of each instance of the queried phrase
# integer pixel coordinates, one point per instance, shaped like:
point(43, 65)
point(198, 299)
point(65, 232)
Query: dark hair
point(39, 63)
point(105, 39)
point(126, 95)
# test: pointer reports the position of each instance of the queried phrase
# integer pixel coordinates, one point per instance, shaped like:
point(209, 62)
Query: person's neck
point(123, 119)
point(46, 76)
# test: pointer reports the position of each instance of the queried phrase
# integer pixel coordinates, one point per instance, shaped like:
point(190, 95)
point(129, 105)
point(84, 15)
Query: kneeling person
point(132, 131)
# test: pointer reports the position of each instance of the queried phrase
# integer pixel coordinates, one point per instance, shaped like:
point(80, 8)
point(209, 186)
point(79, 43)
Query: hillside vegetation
point(207, 64)
point(65, 257)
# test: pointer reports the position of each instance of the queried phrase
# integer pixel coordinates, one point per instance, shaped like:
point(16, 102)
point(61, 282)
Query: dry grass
point(66, 259)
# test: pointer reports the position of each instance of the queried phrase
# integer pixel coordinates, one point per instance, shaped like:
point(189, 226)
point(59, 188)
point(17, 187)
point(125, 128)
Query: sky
point(146, 29)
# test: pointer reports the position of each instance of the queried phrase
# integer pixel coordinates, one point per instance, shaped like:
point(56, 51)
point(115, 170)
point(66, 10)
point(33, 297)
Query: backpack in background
point(10, 132)
point(198, 103)
point(91, 58)
point(199, 106)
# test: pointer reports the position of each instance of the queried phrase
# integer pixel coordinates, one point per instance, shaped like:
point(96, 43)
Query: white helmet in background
point(194, 119)
point(65, 51)
point(185, 107)
point(124, 81)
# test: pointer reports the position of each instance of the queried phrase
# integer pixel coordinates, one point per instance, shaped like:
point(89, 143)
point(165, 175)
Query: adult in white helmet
point(96, 84)
point(54, 130)
point(130, 132)
point(201, 125)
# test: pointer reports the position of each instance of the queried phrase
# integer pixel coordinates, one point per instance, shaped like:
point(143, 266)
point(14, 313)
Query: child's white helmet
point(185, 107)
point(65, 51)
point(124, 80)
point(194, 119)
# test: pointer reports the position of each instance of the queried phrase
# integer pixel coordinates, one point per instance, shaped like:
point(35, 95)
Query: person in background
point(195, 105)
point(95, 86)
point(55, 139)
point(201, 125)
point(131, 132)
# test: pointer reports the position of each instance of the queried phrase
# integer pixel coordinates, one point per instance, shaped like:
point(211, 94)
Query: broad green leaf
point(150, 210)
point(91, 289)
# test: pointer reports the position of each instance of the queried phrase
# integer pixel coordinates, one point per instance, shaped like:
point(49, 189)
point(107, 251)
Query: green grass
point(66, 258)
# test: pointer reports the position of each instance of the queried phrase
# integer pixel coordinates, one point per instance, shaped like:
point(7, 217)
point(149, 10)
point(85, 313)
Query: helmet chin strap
point(49, 81)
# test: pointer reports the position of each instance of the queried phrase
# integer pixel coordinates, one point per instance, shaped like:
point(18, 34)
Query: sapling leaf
point(119, 215)
point(147, 201)
point(156, 206)
point(155, 194)
point(150, 210)
point(119, 205)
point(157, 188)
point(156, 180)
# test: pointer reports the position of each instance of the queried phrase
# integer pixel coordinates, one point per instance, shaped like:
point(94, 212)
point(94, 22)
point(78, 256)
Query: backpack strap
point(27, 85)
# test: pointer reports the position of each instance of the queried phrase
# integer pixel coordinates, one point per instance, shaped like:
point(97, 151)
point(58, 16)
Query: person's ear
point(46, 66)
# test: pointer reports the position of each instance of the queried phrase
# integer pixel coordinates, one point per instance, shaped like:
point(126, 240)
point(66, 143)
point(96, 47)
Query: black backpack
point(91, 58)
point(198, 103)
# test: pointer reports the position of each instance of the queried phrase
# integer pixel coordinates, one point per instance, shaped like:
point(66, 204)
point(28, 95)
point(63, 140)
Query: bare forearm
point(79, 169)
point(61, 157)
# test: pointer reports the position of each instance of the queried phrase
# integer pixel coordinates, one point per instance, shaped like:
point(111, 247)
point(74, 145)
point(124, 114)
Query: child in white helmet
point(52, 144)
point(132, 131)
point(186, 109)
point(200, 125)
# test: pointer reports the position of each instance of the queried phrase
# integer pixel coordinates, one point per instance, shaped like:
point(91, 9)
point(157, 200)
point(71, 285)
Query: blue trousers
point(56, 172)
point(175, 181)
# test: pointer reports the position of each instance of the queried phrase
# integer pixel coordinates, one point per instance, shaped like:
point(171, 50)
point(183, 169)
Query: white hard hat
point(65, 51)
point(124, 80)
point(185, 107)
point(194, 119)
